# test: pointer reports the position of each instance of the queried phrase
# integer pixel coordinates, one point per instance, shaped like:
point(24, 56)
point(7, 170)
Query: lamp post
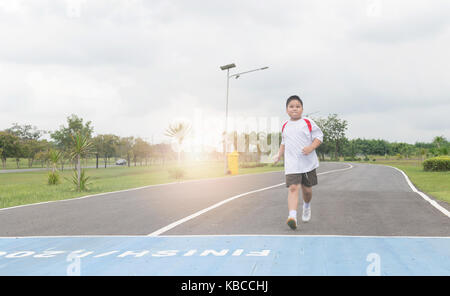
point(237, 75)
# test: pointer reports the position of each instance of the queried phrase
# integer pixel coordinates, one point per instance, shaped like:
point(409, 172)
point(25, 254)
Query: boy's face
point(294, 109)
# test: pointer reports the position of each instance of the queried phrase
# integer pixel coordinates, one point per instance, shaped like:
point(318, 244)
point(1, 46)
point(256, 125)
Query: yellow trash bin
point(233, 162)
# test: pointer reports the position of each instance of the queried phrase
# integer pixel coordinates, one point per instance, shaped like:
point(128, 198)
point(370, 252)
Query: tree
point(140, 149)
point(333, 130)
point(63, 137)
point(125, 148)
point(421, 153)
point(9, 145)
point(326, 146)
point(29, 141)
point(439, 140)
point(105, 145)
point(29, 150)
point(178, 131)
point(148, 152)
point(25, 132)
point(81, 147)
point(43, 157)
point(97, 145)
point(162, 151)
point(54, 157)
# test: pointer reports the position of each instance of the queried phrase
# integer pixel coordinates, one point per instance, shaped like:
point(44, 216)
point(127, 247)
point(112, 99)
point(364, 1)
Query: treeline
point(25, 141)
point(336, 144)
point(363, 148)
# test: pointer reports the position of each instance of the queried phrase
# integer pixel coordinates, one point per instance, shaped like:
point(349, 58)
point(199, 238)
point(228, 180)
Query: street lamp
point(237, 75)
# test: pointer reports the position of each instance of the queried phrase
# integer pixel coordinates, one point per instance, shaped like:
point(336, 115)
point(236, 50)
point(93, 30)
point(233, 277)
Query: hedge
point(440, 163)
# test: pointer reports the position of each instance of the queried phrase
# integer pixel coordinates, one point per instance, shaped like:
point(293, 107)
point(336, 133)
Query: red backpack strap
point(309, 124)
point(282, 129)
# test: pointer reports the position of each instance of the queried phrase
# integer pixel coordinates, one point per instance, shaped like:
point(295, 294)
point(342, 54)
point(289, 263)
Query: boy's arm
point(280, 153)
point(316, 143)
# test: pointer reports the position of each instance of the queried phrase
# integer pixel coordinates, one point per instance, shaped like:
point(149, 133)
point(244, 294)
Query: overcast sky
point(132, 67)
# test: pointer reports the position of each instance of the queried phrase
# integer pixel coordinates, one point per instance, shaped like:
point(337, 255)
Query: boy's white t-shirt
point(295, 137)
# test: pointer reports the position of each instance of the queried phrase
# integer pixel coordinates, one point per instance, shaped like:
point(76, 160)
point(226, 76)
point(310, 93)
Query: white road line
point(333, 171)
point(133, 189)
point(190, 217)
point(176, 223)
point(298, 235)
point(216, 235)
point(423, 195)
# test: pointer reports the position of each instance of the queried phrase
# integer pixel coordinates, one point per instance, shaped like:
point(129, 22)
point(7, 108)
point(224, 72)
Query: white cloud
point(132, 66)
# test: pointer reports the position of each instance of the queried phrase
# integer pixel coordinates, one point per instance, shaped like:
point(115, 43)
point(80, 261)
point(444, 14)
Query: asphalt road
point(366, 200)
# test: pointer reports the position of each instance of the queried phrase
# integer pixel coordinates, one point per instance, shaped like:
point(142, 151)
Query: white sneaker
point(292, 222)
point(306, 216)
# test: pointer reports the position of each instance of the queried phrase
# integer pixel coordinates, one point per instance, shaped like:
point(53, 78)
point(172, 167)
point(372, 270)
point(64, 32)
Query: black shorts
point(308, 179)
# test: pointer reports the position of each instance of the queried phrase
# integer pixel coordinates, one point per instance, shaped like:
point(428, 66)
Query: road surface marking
point(230, 255)
point(130, 189)
point(423, 195)
point(190, 217)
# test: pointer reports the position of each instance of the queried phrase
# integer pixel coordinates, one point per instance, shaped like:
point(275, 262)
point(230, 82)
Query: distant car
point(121, 162)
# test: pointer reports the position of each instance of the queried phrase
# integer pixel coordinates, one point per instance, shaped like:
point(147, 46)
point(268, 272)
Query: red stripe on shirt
point(309, 124)
point(282, 129)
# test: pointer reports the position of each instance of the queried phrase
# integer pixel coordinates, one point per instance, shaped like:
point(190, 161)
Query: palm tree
point(422, 153)
point(438, 141)
point(82, 146)
point(178, 131)
point(54, 157)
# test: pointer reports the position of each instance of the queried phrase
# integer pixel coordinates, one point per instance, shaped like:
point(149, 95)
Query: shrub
point(84, 180)
point(53, 178)
point(177, 173)
point(352, 158)
point(440, 163)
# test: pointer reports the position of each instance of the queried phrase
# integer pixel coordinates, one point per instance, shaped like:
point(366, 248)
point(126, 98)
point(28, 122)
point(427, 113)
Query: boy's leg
point(293, 197)
point(293, 205)
point(308, 180)
point(307, 196)
point(307, 193)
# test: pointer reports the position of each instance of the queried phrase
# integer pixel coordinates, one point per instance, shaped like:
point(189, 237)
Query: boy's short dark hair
point(291, 98)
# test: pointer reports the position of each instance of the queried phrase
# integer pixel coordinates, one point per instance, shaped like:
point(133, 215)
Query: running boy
point(300, 137)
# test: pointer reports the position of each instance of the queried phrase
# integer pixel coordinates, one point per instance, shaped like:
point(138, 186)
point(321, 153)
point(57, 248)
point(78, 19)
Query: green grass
point(23, 163)
point(436, 184)
point(31, 187)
